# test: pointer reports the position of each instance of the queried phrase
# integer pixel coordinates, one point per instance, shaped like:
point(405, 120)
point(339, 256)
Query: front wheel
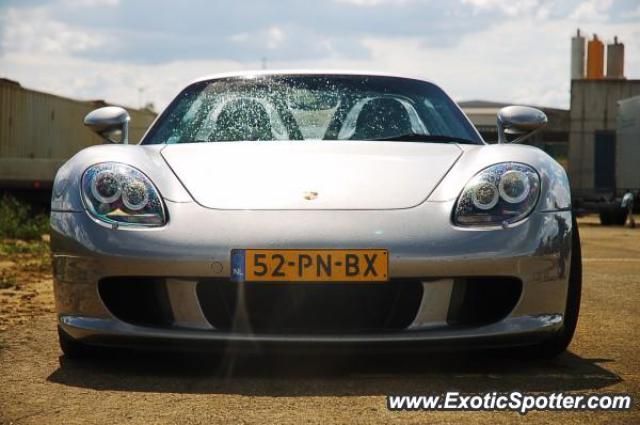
point(72, 348)
point(559, 342)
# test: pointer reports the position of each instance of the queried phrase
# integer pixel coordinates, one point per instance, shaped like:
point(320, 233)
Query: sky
point(132, 52)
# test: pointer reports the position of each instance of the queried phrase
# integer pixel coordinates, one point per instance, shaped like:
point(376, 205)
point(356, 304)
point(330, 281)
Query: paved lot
point(38, 386)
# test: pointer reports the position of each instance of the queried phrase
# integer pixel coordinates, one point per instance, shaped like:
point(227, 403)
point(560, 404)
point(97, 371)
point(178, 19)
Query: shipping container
point(628, 149)
point(40, 131)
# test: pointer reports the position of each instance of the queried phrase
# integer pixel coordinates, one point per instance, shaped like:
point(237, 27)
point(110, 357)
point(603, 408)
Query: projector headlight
point(120, 194)
point(501, 194)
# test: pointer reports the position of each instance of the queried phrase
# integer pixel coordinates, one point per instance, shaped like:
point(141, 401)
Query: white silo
point(577, 56)
point(615, 60)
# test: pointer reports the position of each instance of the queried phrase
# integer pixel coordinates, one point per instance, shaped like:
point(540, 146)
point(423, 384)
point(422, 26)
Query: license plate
point(317, 265)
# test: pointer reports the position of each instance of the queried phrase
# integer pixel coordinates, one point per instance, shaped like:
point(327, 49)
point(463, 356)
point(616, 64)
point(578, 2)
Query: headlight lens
point(120, 194)
point(501, 194)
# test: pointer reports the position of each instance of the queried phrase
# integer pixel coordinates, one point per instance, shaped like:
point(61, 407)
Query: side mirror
point(107, 121)
point(521, 120)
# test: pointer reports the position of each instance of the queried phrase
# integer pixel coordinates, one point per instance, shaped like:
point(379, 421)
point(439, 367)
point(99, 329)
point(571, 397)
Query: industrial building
point(604, 144)
point(40, 131)
point(598, 139)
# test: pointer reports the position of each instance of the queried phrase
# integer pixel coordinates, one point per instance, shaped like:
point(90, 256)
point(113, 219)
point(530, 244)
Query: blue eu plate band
point(237, 265)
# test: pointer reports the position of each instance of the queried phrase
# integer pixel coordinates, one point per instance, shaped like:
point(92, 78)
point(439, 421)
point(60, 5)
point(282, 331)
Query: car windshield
point(311, 107)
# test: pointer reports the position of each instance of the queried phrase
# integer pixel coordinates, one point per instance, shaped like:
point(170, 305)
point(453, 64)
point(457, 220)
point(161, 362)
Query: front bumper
point(422, 243)
point(521, 331)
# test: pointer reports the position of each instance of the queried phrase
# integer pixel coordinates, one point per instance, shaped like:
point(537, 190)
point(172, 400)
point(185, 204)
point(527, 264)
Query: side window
point(440, 118)
point(182, 128)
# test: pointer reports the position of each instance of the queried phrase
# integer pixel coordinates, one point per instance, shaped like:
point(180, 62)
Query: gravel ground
point(39, 386)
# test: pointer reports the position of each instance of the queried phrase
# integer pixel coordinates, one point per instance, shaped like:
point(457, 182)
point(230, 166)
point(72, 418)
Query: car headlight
point(501, 194)
point(120, 194)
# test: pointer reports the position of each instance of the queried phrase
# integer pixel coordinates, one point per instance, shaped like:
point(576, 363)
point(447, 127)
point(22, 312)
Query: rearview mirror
point(521, 120)
point(108, 121)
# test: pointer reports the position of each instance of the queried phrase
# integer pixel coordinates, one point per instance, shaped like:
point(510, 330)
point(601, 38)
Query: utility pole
point(140, 98)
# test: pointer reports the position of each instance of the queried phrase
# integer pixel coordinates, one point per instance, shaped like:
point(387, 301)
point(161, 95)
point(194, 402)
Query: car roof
point(302, 72)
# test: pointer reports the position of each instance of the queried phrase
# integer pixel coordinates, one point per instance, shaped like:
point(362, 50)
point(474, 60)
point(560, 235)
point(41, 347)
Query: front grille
point(309, 308)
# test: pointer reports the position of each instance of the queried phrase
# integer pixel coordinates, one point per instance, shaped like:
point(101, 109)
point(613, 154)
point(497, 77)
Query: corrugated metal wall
point(39, 131)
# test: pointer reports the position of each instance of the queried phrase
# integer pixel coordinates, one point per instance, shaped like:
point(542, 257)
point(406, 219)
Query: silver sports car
point(316, 210)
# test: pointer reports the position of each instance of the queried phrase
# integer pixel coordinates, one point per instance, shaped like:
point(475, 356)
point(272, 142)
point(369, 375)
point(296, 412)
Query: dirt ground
point(25, 281)
point(39, 386)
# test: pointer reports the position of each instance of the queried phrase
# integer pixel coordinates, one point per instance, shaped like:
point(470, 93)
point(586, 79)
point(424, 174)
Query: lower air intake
point(304, 308)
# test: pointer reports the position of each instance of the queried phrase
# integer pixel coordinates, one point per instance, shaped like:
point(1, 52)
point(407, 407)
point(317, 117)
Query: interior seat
point(381, 118)
point(243, 119)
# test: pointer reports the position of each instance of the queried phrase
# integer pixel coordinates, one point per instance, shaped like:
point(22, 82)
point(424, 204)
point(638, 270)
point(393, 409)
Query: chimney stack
point(615, 60)
point(577, 56)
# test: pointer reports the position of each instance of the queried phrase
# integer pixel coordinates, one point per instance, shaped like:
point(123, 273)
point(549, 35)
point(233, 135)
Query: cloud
point(490, 72)
point(509, 8)
point(205, 28)
point(31, 31)
point(507, 51)
point(634, 13)
point(592, 10)
point(91, 3)
point(118, 83)
point(275, 37)
point(371, 3)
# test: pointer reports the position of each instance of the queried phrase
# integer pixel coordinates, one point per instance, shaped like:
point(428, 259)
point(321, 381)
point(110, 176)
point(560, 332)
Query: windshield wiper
point(418, 137)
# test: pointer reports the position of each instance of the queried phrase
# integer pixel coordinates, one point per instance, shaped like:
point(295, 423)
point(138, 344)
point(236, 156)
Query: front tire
point(558, 343)
point(72, 348)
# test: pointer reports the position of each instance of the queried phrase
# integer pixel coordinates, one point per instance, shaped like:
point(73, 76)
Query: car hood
point(310, 174)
